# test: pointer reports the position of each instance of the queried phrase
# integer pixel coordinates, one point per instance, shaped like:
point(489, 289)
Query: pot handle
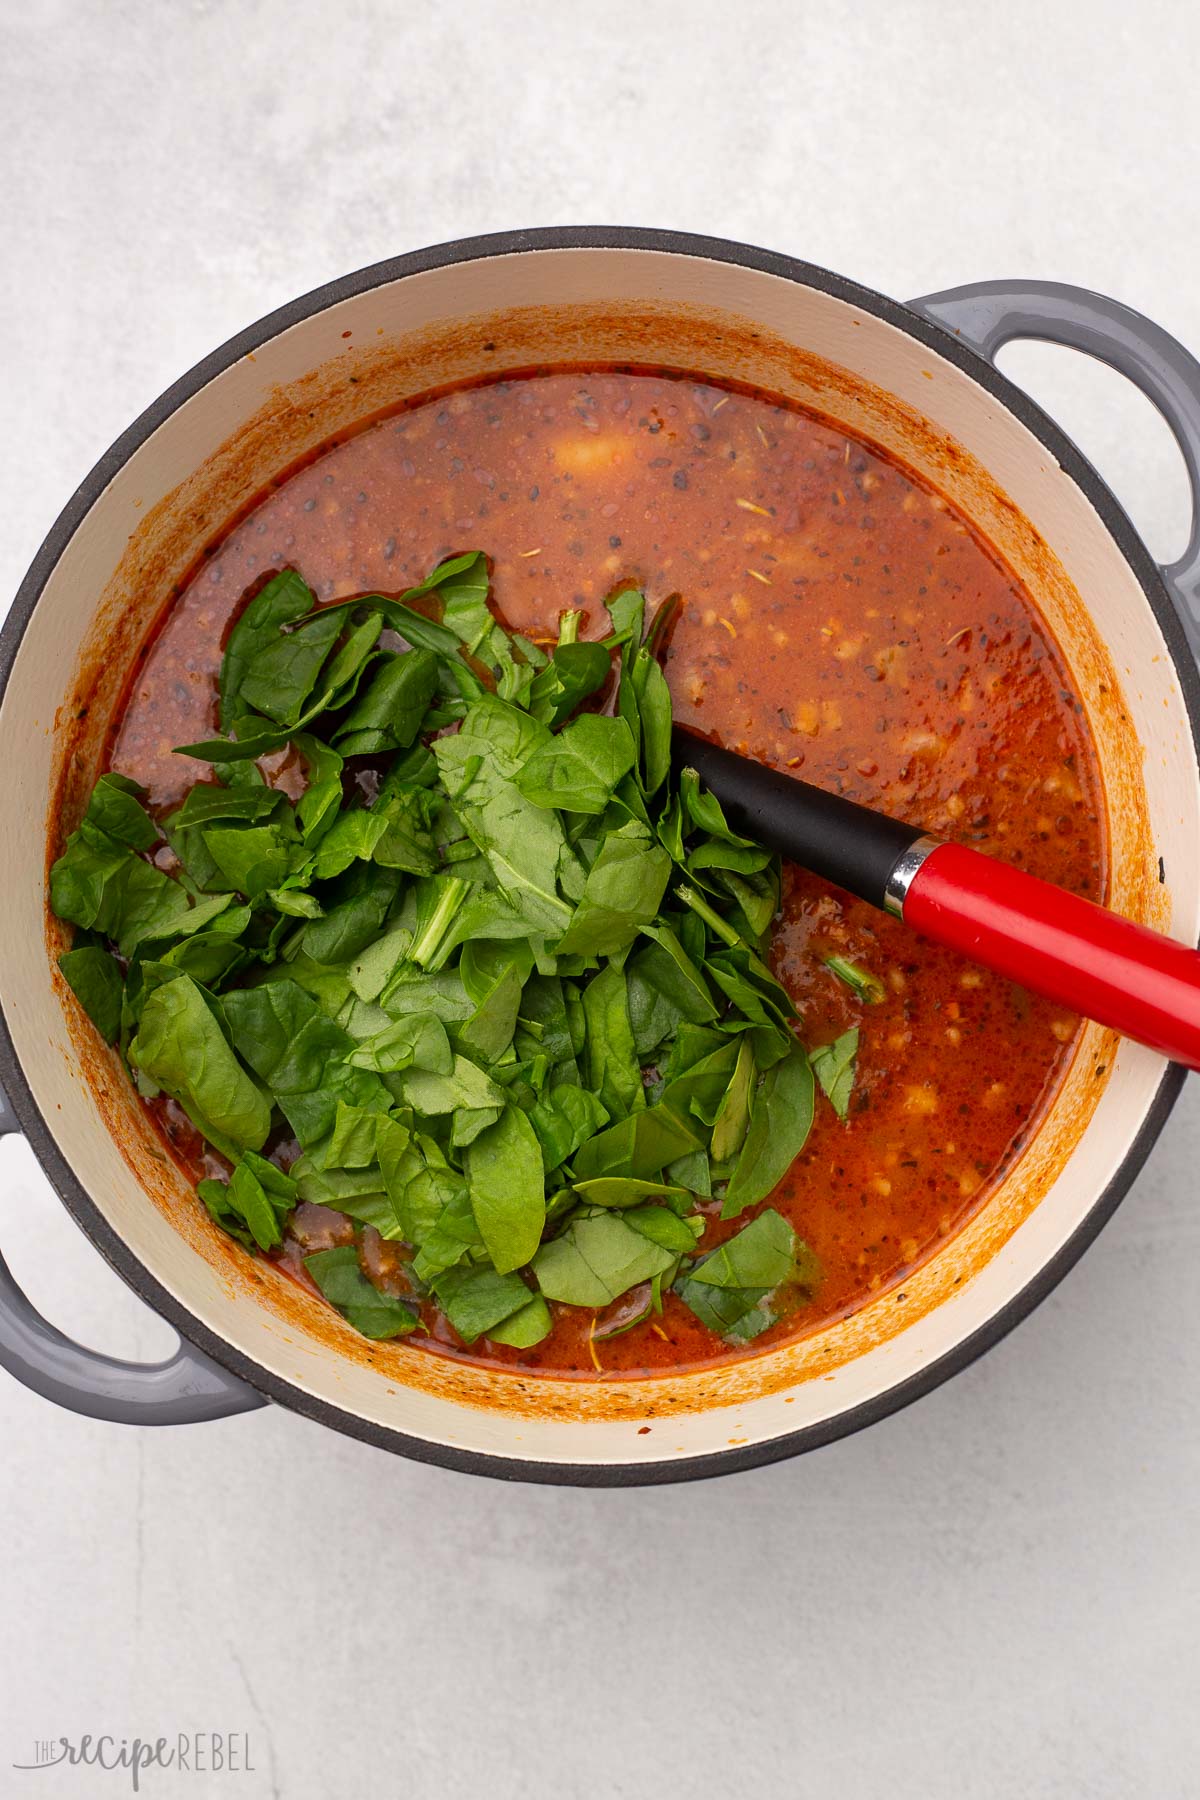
point(183, 1390)
point(988, 314)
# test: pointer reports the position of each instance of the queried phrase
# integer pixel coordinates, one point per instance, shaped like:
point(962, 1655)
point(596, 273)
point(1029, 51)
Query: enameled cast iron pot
point(919, 381)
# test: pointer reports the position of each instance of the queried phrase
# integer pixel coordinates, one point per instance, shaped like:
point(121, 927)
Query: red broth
point(839, 618)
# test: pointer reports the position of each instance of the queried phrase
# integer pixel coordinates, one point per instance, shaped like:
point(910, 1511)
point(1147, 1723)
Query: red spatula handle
point(1092, 961)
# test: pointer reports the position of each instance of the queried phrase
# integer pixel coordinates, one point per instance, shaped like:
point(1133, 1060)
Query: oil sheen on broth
point(839, 618)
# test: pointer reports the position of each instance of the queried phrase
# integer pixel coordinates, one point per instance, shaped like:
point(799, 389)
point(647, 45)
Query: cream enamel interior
point(220, 446)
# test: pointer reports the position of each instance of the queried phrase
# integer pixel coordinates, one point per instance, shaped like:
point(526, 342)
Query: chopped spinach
point(477, 1299)
point(181, 1046)
point(780, 1119)
point(596, 1259)
point(860, 981)
point(95, 977)
point(578, 769)
point(507, 1183)
point(373, 1313)
point(834, 1066)
point(735, 1290)
point(509, 998)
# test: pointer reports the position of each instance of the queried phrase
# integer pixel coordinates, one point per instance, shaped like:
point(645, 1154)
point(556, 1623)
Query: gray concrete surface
point(994, 1594)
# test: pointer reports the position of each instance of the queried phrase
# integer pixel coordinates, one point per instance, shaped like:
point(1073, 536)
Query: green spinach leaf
point(96, 981)
point(731, 1289)
point(834, 1066)
point(564, 1119)
point(612, 1063)
point(641, 1145)
point(281, 675)
point(780, 1121)
point(115, 809)
point(596, 1259)
point(521, 1330)
point(180, 1045)
point(372, 1313)
point(388, 715)
point(507, 1180)
point(623, 892)
point(282, 601)
point(575, 672)
point(579, 769)
point(476, 1300)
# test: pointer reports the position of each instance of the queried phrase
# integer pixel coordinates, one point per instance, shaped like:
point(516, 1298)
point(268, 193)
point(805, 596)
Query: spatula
point(1076, 953)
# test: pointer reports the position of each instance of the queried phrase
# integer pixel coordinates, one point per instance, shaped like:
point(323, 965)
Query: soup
point(837, 618)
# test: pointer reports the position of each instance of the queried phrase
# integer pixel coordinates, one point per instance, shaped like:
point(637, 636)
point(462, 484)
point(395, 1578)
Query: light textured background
point(994, 1594)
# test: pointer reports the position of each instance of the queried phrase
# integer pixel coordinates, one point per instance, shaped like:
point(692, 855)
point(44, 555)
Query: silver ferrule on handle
point(905, 873)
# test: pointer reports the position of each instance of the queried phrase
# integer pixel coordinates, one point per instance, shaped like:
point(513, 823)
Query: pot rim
point(1073, 463)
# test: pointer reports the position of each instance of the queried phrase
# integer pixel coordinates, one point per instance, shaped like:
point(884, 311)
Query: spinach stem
point(711, 918)
point(428, 942)
point(868, 987)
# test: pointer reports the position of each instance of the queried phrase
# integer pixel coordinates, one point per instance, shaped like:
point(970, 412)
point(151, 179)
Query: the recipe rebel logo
point(206, 1753)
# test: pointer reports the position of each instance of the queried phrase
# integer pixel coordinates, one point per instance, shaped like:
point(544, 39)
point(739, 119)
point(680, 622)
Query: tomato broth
point(839, 619)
